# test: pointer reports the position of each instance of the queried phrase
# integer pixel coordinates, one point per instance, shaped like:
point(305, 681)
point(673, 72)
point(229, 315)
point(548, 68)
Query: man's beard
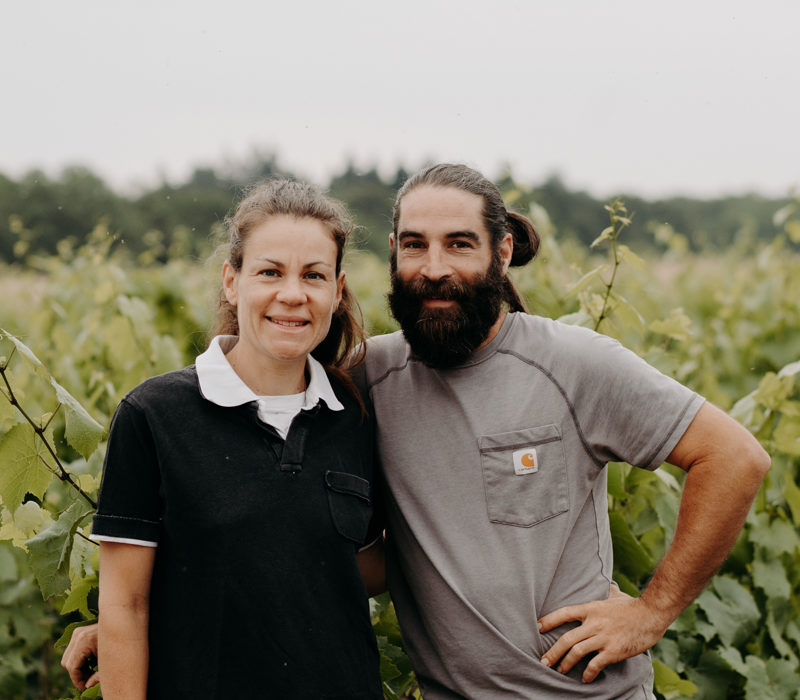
point(446, 337)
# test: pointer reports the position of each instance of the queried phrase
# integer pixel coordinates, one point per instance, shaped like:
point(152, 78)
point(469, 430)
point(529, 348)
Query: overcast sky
point(695, 97)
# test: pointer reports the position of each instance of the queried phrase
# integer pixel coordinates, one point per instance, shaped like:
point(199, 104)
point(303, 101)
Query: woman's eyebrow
point(280, 264)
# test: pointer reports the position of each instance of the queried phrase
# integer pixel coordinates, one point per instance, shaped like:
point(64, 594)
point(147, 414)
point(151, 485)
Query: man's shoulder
point(384, 354)
point(389, 347)
point(546, 339)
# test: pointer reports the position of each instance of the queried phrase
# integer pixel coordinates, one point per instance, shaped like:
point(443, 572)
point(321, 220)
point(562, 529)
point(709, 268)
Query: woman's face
point(286, 292)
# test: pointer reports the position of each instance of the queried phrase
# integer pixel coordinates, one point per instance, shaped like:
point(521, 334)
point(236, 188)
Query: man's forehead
point(427, 210)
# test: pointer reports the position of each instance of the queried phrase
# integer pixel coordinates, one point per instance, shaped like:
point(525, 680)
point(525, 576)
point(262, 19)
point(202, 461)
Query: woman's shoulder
point(171, 387)
point(345, 389)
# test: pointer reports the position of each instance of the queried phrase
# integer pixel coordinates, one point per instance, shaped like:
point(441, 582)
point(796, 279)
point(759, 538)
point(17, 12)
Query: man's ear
point(506, 249)
point(391, 241)
point(229, 283)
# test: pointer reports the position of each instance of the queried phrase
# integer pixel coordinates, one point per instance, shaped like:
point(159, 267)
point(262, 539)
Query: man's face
point(446, 279)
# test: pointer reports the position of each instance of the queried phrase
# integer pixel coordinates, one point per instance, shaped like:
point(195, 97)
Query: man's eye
point(461, 244)
point(412, 244)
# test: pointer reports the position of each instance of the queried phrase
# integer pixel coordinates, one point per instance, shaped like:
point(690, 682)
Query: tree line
point(41, 215)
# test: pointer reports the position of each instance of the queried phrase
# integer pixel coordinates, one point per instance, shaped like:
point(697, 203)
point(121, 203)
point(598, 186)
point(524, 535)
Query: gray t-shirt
point(496, 504)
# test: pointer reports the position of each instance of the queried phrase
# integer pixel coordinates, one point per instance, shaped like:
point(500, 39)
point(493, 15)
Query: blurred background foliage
point(37, 211)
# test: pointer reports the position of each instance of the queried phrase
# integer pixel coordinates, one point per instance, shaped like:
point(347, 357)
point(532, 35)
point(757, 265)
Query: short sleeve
point(129, 505)
point(630, 411)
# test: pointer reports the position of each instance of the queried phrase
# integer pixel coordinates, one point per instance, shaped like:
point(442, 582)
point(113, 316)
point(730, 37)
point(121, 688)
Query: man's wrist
point(662, 614)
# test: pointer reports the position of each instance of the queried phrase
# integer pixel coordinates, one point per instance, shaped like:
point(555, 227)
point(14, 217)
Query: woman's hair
point(497, 219)
point(343, 345)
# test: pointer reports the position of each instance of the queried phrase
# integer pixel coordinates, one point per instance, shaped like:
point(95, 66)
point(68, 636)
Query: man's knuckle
point(579, 649)
point(595, 665)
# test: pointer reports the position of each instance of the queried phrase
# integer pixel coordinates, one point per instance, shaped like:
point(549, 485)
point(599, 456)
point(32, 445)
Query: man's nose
point(436, 267)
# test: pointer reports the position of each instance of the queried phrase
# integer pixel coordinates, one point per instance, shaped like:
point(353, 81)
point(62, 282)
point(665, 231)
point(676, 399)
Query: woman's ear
point(230, 280)
point(339, 290)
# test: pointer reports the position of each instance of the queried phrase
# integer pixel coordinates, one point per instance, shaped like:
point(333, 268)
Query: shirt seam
point(126, 517)
point(599, 462)
point(391, 370)
point(527, 443)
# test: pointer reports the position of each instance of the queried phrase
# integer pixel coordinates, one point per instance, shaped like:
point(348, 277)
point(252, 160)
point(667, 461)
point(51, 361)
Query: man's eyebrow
point(471, 235)
point(408, 234)
point(465, 234)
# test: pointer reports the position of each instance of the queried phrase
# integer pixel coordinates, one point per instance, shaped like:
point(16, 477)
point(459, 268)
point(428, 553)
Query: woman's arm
point(372, 565)
point(125, 572)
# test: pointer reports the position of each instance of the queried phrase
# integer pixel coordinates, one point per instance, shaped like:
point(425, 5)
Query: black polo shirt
point(255, 591)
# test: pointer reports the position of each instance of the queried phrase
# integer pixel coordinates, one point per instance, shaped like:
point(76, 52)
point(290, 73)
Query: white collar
point(220, 384)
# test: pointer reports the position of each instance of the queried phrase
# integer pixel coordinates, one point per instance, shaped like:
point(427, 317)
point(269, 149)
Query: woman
point(236, 492)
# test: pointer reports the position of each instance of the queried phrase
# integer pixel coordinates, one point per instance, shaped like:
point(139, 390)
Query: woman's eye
point(315, 276)
point(269, 273)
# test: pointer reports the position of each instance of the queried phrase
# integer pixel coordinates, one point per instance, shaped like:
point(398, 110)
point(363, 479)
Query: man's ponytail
point(526, 239)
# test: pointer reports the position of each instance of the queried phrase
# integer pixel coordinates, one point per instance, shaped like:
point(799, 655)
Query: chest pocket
point(350, 504)
point(524, 475)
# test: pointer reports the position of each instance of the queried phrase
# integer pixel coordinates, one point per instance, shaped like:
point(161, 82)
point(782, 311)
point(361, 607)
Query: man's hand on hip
point(615, 629)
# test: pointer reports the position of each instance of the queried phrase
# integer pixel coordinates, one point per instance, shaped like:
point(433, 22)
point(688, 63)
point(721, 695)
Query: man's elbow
point(761, 461)
point(755, 462)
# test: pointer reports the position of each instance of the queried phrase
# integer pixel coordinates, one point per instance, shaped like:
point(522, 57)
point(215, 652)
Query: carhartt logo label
point(525, 461)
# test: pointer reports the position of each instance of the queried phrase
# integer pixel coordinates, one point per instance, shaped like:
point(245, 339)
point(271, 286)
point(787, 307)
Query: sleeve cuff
point(122, 540)
point(121, 527)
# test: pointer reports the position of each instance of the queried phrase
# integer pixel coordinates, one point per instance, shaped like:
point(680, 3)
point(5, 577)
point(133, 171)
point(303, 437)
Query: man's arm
point(725, 466)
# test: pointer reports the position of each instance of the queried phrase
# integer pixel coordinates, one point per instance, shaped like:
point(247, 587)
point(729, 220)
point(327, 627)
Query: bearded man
point(494, 428)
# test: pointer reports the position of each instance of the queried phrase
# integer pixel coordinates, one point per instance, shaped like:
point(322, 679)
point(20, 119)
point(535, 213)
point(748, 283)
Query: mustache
point(446, 289)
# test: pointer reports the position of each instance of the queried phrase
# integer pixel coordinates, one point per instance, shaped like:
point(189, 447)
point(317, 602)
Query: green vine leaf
point(21, 470)
point(63, 640)
point(677, 325)
point(94, 692)
point(24, 350)
point(770, 577)
point(50, 550)
point(78, 596)
point(733, 659)
point(791, 492)
point(136, 310)
point(82, 431)
point(25, 522)
point(776, 537)
point(628, 256)
point(586, 279)
point(731, 610)
point(629, 555)
point(605, 234)
point(8, 566)
point(773, 679)
point(787, 435)
point(670, 684)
